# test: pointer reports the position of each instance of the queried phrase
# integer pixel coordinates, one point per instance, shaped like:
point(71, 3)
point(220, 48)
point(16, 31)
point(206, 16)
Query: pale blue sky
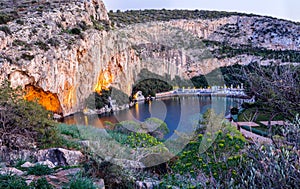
point(287, 9)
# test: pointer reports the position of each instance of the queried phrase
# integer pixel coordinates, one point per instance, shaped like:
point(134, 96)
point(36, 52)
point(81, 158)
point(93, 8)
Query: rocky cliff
point(61, 51)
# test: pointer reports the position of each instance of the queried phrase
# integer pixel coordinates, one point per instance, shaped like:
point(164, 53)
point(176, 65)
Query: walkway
point(273, 123)
point(254, 137)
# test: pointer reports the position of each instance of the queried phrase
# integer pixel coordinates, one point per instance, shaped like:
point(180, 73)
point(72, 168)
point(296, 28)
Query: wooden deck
point(273, 123)
point(250, 124)
point(256, 138)
point(252, 136)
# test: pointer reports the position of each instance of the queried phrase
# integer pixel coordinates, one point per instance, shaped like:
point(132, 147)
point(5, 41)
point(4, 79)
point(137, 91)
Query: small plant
point(12, 182)
point(41, 183)
point(4, 18)
point(5, 29)
point(19, 163)
point(26, 56)
point(39, 170)
point(79, 182)
point(75, 31)
point(53, 42)
point(19, 21)
point(18, 42)
point(42, 45)
point(141, 140)
point(71, 130)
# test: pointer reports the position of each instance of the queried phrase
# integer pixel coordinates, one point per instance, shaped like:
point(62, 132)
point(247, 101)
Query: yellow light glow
point(104, 80)
point(69, 95)
point(47, 99)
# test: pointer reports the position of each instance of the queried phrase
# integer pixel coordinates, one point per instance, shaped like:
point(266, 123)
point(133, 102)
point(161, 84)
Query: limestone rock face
point(62, 51)
point(43, 52)
point(255, 31)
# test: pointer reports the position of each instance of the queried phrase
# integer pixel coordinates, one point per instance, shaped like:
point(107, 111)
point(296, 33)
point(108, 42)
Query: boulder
point(27, 165)
point(12, 156)
point(68, 172)
point(60, 156)
point(47, 163)
point(11, 171)
point(147, 184)
point(154, 159)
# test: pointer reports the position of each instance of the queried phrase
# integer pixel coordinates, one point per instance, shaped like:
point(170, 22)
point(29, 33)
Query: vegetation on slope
point(141, 16)
point(223, 50)
point(19, 129)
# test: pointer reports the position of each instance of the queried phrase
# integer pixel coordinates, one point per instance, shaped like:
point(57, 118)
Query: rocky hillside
point(61, 51)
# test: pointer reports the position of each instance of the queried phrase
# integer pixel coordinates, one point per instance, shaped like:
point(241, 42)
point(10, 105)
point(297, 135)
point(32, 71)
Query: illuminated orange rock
point(69, 95)
point(104, 80)
point(47, 99)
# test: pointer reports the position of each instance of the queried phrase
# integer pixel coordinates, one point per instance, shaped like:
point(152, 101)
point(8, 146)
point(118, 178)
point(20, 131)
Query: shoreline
point(106, 110)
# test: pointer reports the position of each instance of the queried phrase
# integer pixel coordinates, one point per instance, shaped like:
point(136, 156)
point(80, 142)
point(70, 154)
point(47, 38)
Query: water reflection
point(177, 112)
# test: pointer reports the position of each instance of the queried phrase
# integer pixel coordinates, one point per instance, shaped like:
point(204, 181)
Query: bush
point(41, 183)
point(156, 127)
point(268, 167)
point(5, 29)
point(194, 167)
point(141, 140)
point(26, 56)
point(42, 45)
point(75, 31)
point(12, 182)
point(4, 18)
point(71, 130)
point(81, 183)
point(24, 123)
point(39, 170)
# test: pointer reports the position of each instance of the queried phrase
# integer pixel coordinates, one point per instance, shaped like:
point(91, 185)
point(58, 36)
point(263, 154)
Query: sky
point(286, 9)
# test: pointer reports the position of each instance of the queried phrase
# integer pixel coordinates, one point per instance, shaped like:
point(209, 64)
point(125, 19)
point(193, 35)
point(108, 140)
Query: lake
point(180, 113)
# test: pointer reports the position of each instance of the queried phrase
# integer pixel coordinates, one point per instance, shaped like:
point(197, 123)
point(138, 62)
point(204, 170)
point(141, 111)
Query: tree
point(276, 88)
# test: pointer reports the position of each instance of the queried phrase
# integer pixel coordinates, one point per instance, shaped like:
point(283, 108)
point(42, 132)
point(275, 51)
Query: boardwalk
point(250, 124)
point(254, 137)
point(273, 123)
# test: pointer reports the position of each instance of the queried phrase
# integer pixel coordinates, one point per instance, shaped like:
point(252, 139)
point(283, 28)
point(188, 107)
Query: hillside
point(62, 51)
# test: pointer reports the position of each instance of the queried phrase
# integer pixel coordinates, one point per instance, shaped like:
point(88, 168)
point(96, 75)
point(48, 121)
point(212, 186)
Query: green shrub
point(81, 183)
point(26, 56)
point(71, 130)
point(150, 83)
point(24, 123)
point(219, 162)
point(12, 182)
point(4, 18)
point(39, 170)
point(5, 29)
point(156, 127)
point(54, 42)
point(42, 45)
point(75, 31)
point(98, 101)
point(18, 42)
point(19, 163)
point(128, 127)
point(141, 140)
point(41, 183)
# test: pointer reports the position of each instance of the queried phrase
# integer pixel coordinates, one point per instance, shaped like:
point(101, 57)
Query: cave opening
point(45, 98)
